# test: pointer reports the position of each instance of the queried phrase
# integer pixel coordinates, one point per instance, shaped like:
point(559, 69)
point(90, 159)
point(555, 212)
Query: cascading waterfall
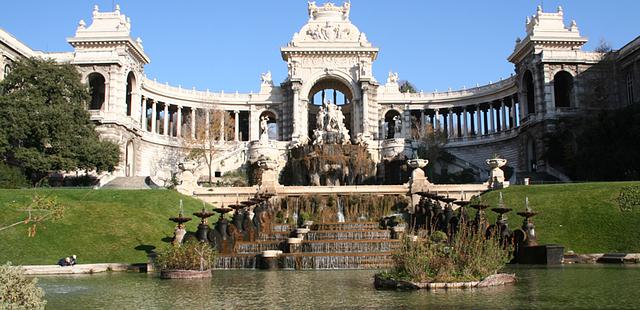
point(340, 210)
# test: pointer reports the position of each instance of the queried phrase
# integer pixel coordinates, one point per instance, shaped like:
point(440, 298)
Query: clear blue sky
point(227, 44)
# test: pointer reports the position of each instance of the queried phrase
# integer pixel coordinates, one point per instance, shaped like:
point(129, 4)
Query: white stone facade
point(150, 120)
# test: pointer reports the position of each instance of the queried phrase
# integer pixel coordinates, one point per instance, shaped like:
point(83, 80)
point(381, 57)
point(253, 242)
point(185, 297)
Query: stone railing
point(198, 95)
point(503, 84)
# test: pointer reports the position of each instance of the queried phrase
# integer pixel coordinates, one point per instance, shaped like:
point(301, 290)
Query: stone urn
point(496, 162)
point(417, 163)
point(294, 244)
point(496, 175)
point(302, 231)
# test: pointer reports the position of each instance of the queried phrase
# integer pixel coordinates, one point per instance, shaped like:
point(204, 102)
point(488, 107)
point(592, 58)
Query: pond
point(562, 287)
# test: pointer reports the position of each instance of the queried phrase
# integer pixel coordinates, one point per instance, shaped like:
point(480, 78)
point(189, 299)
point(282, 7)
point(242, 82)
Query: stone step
point(357, 234)
point(346, 226)
point(140, 182)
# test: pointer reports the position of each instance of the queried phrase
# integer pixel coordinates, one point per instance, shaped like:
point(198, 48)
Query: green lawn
point(98, 225)
point(584, 217)
point(119, 225)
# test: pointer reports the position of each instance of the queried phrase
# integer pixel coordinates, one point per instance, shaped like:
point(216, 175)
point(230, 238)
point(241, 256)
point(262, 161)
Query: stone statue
point(320, 118)
point(393, 78)
point(331, 116)
point(312, 8)
point(266, 78)
point(264, 128)
point(397, 126)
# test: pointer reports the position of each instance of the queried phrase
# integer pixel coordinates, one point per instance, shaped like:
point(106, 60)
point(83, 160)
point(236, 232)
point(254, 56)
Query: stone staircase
point(357, 245)
point(130, 183)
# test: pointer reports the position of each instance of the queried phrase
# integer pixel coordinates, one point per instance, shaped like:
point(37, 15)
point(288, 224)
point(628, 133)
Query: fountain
point(203, 228)
point(219, 236)
point(527, 249)
point(179, 231)
point(501, 227)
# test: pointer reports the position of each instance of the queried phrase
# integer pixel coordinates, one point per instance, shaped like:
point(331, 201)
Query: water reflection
point(565, 287)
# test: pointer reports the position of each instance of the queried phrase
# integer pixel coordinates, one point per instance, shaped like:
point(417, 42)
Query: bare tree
point(208, 139)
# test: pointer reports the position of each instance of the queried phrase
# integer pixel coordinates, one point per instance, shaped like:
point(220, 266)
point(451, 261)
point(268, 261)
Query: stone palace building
point(329, 63)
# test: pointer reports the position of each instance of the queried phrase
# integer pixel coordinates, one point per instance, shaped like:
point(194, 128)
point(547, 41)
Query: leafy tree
point(206, 143)
point(407, 87)
point(38, 211)
point(17, 291)
point(44, 125)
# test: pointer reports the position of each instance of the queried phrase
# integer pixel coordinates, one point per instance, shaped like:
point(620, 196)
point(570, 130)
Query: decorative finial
point(574, 26)
point(539, 9)
point(117, 8)
point(560, 9)
point(95, 9)
point(81, 24)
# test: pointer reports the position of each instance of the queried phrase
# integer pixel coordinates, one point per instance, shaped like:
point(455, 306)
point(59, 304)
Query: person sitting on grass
point(74, 259)
point(65, 261)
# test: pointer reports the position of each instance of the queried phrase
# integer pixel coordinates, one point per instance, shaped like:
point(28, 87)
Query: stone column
point(450, 124)
point(436, 119)
point(492, 118)
point(365, 111)
point(478, 121)
point(295, 132)
point(143, 116)
point(236, 125)
point(465, 125)
point(512, 112)
point(503, 110)
point(165, 120)
point(154, 116)
point(222, 116)
point(207, 123)
point(179, 123)
point(193, 123)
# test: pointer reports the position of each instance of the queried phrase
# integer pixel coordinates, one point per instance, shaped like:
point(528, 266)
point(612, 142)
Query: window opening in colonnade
point(272, 124)
point(390, 123)
point(529, 92)
point(7, 70)
point(563, 89)
point(329, 90)
point(97, 90)
point(129, 159)
point(131, 80)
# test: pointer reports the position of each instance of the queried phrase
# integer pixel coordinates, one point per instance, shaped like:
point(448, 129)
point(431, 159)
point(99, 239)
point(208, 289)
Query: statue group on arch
point(330, 126)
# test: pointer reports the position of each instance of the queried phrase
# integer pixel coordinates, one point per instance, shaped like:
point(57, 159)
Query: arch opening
point(131, 80)
point(529, 92)
point(393, 123)
point(329, 90)
point(129, 159)
point(97, 89)
point(7, 70)
point(272, 125)
point(563, 89)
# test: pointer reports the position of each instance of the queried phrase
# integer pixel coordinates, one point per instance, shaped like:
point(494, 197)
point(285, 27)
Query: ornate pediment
point(329, 24)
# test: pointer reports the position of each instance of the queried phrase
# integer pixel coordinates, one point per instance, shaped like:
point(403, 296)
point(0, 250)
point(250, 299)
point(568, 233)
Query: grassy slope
point(583, 217)
point(98, 225)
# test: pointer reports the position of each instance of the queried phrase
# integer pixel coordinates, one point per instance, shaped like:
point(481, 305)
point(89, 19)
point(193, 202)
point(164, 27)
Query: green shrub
point(17, 291)
point(629, 198)
point(192, 255)
point(467, 256)
point(12, 177)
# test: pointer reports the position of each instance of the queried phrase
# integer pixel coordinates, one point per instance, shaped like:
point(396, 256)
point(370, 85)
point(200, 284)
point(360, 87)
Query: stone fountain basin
point(492, 280)
point(185, 274)
point(302, 230)
point(271, 253)
point(294, 240)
